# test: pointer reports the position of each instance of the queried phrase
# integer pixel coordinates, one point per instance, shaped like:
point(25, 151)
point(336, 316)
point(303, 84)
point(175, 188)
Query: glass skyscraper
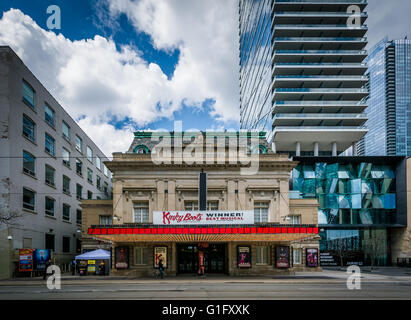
point(389, 103)
point(302, 73)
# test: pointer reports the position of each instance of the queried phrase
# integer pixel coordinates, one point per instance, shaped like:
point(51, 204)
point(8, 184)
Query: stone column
point(298, 149)
point(171, 195)
point(316, 149)
point(334, 149)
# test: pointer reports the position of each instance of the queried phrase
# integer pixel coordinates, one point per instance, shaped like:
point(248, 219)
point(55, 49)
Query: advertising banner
point(121, 258)
point(202, 217)
point(312, 257)
point(40, 258)
point(160, 253)
point(25, 260)
point(244, 257)
point(282, 257)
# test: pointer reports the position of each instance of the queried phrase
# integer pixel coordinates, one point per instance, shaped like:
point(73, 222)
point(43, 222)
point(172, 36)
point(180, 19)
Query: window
point(78, 216)
point(50, 174)
point(49, 242)
point(66, 157)
point(89, 154)
point(141, 149)
point(66, 131)
point(190, 205)
point(49, 144)
point(28, 199)
point(261, 211)
point(66, 212)
point(66, 244)
point(106, 221)
point(141, 214)
point(50, 205)
point(79, 192)
point(49, 115)
point(29, 128)
point(90, 175)
point(98, 162)
point(105, 170)
point(29, 163)
point(79, 167)
point(89, 195)
point(295, 219)
point(28, 94)
point(212, 205)
point(261, 255)
point(79, 144)
point(141, 255)
point(66, 184)
point(98, 182)
point(297, 256)
point(106, 188)
point(98, 198)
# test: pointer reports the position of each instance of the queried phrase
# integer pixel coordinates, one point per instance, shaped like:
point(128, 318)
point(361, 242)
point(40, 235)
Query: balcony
point(302, 17)
point(294, 81)
point(319, 43)
point(323, 69)
point(319, 94)
point(319, 56)
point(316, 6)
point(318, 30)
point(285, 137)
point(319, 119)
point(319, 106)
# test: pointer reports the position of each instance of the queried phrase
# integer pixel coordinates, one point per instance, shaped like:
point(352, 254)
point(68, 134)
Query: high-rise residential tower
point(302, 73)
point(389, 103)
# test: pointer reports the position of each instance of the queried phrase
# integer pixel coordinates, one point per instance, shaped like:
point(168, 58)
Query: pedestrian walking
point(161, 268)
point(48, 264)
point(73, 267)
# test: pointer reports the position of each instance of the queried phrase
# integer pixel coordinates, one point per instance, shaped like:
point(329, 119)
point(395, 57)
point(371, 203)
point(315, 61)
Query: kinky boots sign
point(202, 217)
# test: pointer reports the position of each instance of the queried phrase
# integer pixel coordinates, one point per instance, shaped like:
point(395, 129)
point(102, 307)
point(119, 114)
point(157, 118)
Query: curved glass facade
point(255, 65)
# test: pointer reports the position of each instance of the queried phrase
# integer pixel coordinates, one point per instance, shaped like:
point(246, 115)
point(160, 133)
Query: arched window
point(141, 149)
point(260, 150)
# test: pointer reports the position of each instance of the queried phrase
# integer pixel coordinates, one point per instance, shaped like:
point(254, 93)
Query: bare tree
point(9, 218)
point(375, 246)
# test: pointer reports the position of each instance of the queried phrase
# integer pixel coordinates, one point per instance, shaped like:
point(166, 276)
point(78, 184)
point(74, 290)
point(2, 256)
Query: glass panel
point(28, 163)
point(66, 131)
point(50, 206)
point(49, 115)
point(28, 199)
point(28, 94)
point(28, 128)
point(79, 144)
point(49, 144)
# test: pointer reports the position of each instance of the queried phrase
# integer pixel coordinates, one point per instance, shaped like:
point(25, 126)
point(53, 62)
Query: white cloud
point(93, 80)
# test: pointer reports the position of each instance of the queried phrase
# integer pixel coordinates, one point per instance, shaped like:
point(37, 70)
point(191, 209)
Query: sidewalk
point(328, 275)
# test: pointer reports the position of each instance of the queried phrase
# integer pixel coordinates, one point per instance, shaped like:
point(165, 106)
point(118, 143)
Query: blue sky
point(163, 64)
point(122, 65)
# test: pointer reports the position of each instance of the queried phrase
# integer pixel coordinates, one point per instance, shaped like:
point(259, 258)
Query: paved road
point(325, 285)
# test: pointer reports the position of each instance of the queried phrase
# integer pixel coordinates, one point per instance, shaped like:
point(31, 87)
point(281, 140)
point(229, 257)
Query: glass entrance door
point(214, 258)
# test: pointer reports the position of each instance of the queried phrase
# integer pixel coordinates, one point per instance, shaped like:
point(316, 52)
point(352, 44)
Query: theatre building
point(202, 213)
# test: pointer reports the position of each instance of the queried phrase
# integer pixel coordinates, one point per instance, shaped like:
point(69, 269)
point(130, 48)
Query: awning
point(208, 234)
point(99, 254)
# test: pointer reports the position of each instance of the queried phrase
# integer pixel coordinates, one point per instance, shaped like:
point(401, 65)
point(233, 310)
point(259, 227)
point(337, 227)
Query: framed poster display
point(160, 253)
point(282, 257)
point(244, 257)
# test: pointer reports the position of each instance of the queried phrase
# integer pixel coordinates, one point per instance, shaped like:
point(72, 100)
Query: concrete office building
point(389, 102)
point(302, 74)
point(47, 165)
